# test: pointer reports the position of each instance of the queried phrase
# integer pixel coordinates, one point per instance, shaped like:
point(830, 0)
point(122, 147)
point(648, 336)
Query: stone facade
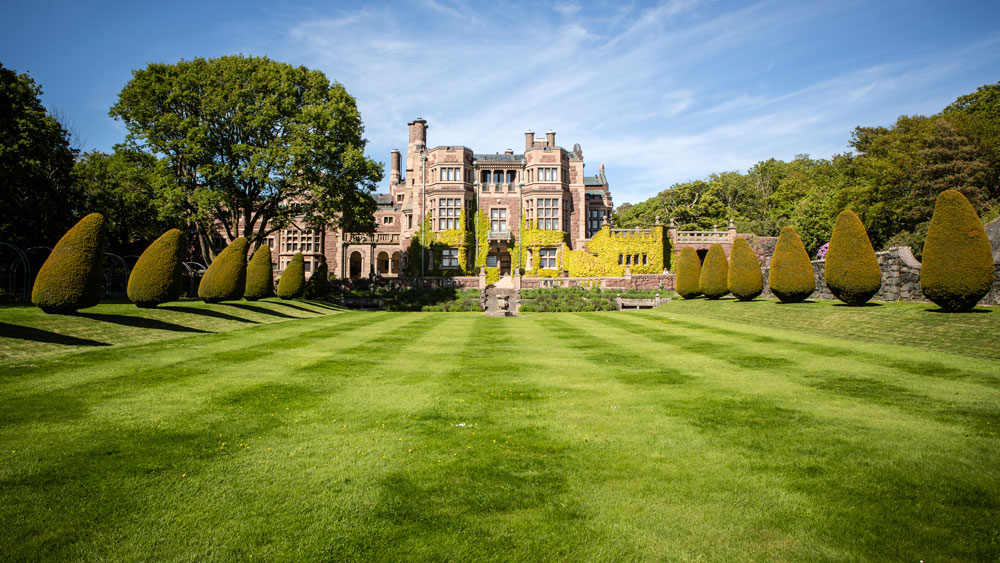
point(545, 184)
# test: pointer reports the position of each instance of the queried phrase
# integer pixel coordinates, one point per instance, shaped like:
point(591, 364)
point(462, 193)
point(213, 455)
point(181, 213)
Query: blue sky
point(659, 92)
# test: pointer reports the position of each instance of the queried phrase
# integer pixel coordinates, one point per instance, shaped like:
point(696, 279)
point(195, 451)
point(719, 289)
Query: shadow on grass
point(976, 310)
point(206, 313)
point(260, 310)
point(323, 304)
point(38, 335)
point(294, 306)
point(861, 306)
point(138, 322)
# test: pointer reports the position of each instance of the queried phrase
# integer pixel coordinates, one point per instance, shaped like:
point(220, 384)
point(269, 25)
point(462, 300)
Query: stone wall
point(633, 281)
point(900, 279)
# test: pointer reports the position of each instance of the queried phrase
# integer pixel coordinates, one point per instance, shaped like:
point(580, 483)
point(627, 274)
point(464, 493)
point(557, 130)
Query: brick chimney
point(529, 140)
point(418, 133)
point(394, 161)
point(550, 138)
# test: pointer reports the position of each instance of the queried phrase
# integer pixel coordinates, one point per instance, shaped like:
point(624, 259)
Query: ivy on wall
point(460, 238)
point(534, 239)
point(603, 251)
point(600, 258)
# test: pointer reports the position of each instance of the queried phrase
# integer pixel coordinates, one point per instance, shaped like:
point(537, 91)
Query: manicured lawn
point(691, 432)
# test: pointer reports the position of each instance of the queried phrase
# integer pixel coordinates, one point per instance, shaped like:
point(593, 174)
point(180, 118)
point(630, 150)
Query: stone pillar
point(482, 277)
point(732, 231)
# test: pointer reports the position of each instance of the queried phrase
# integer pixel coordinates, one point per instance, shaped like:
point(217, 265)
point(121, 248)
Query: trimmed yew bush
point(318, 285)
point(260, 275)
point(226, 277)
point(157, 277)
point(746, 281)
point(958, 261)
point(714, 279)
point(688, 280)
point(293, 280)
point(792, 279)
point(852, 271)
point(72, 277)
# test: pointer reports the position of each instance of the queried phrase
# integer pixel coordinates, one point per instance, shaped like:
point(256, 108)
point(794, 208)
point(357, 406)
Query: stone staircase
point(500, 301)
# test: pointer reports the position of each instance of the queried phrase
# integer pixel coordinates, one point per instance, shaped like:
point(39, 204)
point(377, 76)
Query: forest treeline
point(890, 179)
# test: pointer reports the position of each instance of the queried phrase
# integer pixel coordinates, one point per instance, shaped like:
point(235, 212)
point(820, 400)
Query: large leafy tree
point(251, 144)
point(39, 202)
point(124, 187)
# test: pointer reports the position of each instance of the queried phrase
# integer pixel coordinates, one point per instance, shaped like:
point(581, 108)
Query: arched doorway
point(382, 262)
point(356, 263)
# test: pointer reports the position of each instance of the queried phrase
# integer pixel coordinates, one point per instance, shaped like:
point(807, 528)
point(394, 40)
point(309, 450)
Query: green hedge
point(746, 281)
point(72, 277)
point(226, 277)
point(157, 276)
point(958, 261)
point(714, 279)
point(852, 271)
point(260, 275)
point(688, 282)
point(792, 278)
point(292, 284)
point(318, 285)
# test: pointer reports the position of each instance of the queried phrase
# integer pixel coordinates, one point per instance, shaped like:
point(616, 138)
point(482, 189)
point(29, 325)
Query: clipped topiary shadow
point(38, 335)
point(206, 313)
point(261, 310)
point(138, 322)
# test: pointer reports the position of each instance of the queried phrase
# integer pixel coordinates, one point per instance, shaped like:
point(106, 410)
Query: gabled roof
point(382, 199)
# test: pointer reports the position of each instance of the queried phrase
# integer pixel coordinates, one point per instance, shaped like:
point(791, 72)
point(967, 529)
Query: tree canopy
point(251, 144)
point(36, 164)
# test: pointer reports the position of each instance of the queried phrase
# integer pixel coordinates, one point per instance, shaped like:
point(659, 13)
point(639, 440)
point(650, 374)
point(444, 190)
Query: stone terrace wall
point(633, 281)
point(900, 278)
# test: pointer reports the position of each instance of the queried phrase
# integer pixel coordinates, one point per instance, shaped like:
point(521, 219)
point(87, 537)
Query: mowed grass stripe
point(760, 429)
point(938, 365)
point(252, 408)
point(638, 420)
point(165, 361)
point(848, 377)
point(460, 437)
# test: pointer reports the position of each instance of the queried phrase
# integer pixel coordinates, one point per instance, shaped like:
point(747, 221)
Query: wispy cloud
point(662, 94)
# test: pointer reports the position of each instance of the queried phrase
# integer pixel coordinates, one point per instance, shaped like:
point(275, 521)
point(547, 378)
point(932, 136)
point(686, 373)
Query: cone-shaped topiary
point(226, 277)
point(318, 285)
point(958, 262)
point(852, 271)
point(72, 277)
point(260, 275)
point(792, 279)
point(746, 281)
point(157, 277)
point(714, 280)
point(688, 280)
point(293, 280)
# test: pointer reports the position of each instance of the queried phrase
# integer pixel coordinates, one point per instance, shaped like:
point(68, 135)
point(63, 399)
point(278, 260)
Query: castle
point(451, 211)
